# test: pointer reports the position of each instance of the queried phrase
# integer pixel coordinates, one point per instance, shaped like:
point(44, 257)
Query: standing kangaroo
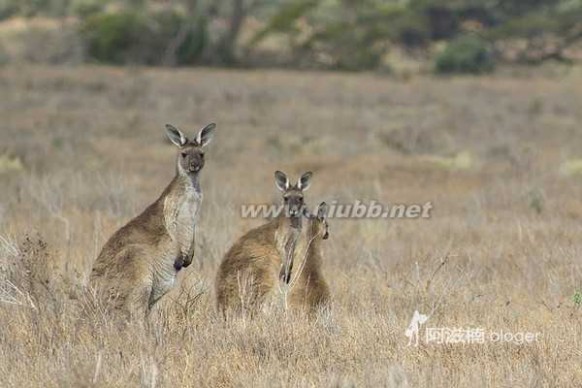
point(263, 257)
point(139, 263)
point(309, 291)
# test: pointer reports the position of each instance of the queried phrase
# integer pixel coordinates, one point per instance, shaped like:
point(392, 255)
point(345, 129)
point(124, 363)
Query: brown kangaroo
point(139, 263)
point(308, 289)
point(263, 257)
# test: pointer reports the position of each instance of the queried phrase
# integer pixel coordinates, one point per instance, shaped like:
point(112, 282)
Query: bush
point(468, 54)
point(135, 38)
point(114, 38)
point(346, 47)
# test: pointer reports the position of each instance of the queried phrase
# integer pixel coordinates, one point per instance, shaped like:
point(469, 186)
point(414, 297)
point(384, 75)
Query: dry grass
point(88, 144)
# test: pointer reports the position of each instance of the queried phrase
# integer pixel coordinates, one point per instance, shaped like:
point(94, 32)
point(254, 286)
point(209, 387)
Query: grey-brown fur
point(139, 263)
point(309, 290)
point(260, 260)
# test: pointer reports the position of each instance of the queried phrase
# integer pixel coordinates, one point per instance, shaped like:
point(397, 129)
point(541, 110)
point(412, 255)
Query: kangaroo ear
point(175, 135)
point(305, 181)
point(205, 135)
point(281, 181)
point(322, 210)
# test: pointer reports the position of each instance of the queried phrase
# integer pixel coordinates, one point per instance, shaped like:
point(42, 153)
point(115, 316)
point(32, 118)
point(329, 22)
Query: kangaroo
point(139, 263)
point(309, 291)
point(255, 264)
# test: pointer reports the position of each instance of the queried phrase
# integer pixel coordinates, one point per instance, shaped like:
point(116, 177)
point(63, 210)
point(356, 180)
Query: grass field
point(82, 150)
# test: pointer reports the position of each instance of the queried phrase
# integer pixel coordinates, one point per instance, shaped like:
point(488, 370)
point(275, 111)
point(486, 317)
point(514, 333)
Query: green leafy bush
point(111, 38)
point(467, 54)
point(148, 39)
point(346, 47)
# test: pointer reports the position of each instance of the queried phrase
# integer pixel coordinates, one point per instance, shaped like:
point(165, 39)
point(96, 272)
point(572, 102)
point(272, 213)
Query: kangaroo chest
point(181, 216)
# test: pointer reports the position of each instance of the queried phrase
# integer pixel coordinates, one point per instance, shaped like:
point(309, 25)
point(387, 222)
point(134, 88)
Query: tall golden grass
point(83, 151)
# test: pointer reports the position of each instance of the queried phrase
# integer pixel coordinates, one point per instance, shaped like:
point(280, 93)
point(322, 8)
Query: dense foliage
point(467, 54)
point(131, 37)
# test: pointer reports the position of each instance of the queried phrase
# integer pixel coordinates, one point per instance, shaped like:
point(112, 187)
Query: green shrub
point(467, 54)
point(346, 47)
point(147, 39)
point(114, 38)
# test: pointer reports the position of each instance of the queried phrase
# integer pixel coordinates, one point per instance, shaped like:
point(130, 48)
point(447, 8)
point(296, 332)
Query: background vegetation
point(448, 36)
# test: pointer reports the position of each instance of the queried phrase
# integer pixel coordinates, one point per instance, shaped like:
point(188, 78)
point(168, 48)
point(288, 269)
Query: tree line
point(456, 35)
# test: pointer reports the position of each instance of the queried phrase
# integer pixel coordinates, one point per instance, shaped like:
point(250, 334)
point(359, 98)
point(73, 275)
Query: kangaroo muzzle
point(195, 166)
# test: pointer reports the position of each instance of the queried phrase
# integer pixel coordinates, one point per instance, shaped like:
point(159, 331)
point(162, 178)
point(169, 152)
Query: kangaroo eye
point(184, 154)
point(202, 155)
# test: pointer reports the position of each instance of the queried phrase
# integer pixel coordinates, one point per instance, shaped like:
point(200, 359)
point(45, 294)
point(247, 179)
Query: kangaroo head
point(293, 195)
point(319, 226)
point(190, 158)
